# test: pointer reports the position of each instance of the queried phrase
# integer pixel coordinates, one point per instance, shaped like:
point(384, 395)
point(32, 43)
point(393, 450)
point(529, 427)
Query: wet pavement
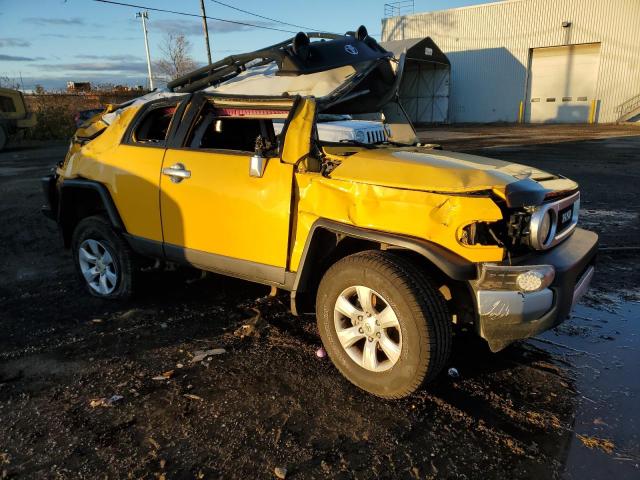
point(600, 345)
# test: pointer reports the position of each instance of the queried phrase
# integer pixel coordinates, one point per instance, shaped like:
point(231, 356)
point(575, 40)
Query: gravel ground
point(564, 405)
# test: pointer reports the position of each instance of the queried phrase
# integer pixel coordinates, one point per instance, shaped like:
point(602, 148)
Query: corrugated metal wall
point(489, 48)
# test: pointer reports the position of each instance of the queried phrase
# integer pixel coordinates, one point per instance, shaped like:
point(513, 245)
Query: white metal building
point(557, 60)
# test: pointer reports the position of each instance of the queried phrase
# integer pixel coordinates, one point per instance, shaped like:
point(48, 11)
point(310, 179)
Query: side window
point(154, 126)
point(229, 133)
point(6, 104)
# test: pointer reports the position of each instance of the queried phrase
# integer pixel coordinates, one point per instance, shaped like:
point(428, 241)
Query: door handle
point(177, 172)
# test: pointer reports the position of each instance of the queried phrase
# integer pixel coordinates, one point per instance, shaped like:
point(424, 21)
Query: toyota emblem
point(351, 49)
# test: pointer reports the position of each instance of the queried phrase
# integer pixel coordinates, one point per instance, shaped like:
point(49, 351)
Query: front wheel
point(103, 259)
point(383, 324)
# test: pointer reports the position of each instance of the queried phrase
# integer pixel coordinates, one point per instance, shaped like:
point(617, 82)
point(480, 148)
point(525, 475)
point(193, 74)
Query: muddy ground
point(564, 405)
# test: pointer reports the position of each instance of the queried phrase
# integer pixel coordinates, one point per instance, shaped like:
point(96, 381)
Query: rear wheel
point(103, 259)
point(385, 327)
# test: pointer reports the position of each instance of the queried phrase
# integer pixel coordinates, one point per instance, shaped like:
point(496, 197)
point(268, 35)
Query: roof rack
point(294, 56)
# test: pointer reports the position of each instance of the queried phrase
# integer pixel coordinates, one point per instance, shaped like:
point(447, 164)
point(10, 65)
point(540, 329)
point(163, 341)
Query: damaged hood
point(450, 172)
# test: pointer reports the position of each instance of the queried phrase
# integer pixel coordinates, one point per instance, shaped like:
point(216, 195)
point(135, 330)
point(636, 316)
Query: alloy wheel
point(368, 328)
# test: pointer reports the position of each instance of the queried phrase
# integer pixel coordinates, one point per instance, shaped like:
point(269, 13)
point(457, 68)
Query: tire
point(412, 351)
point(92, 239)
point(3, 138)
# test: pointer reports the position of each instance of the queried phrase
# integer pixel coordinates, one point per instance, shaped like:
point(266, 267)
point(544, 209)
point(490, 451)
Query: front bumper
point(505, 316)
point(49, 208)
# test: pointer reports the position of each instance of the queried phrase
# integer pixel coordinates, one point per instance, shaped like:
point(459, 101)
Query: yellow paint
point(434, 217)
point(592, 112)
point(298, 143)
point(130, 173)
point(222, 210)
point(430, 170)
point(521, 112)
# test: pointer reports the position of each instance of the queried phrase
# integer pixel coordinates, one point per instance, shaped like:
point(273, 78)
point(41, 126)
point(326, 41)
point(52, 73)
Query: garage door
point(562, 83)
point(424, 92)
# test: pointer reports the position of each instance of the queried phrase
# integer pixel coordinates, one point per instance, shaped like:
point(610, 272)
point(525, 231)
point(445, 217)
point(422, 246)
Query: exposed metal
point(489, 47)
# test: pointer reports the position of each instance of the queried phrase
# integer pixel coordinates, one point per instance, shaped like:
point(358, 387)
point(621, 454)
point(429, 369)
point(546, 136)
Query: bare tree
point(176, 59)
point(7, 82)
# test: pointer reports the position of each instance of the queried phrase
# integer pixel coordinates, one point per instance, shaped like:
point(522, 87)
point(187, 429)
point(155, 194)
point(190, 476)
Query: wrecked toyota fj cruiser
point(389, 243)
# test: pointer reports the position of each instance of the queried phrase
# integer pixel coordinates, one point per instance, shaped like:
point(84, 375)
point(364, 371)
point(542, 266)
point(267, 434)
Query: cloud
point(114, 58)
point(14, 42)
point(194, 27)
point(97, 66)
point(75, 21)
point(13, 58)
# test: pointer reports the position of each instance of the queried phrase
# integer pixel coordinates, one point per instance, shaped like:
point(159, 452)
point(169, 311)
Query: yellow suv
point(389, 243)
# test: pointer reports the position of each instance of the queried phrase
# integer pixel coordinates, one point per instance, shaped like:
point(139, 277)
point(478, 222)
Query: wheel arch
point(329, 241)
point(80, 198)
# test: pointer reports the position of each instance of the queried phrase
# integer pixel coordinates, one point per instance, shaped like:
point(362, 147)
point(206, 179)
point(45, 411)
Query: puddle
point(590, 218)
point(603, 346)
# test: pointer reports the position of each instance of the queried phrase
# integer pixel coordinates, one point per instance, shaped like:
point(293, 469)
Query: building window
point(551, 99)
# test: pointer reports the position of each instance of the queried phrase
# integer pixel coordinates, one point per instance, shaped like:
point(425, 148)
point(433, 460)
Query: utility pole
point(206, 30)
point(144, 15)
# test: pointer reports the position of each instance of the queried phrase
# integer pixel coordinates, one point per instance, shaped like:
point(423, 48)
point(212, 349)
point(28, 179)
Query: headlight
point(542, 228)
point(522, 278)
point(360, 137)
point(545, 228)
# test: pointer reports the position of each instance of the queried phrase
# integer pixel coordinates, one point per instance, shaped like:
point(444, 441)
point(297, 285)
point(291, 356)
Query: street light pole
point(206, 30)
point(144, 15)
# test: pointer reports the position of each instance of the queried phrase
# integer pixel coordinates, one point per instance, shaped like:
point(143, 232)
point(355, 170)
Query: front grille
point(564, 214)
point(375, 136)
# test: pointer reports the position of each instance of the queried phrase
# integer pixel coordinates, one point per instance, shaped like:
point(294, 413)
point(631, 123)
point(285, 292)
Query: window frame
point(178, 102)
point(197, 103)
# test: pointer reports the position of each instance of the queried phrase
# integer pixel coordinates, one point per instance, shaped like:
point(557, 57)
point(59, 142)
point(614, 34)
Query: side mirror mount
point(257, 165)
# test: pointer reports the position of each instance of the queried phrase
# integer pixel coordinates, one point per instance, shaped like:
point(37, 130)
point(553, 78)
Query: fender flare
point(103, 193)
point(450, 263)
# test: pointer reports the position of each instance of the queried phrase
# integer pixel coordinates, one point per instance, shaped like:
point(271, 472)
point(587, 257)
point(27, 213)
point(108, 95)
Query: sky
point(50, 42)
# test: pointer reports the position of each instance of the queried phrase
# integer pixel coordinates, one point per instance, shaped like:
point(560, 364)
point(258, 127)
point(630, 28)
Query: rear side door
point(131, 171)
point(215, 215)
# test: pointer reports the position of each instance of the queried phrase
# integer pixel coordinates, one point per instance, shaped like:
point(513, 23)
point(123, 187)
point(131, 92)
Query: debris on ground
point(280, 472)
point(453, 372)
point(603, 444)
point(105, 402)
point(193, 397)
point(164, 376)
point(321, 353)
point(253, 327)
point(200, 355)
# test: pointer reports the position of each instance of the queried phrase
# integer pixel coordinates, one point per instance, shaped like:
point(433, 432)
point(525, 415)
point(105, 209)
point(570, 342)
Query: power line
point(122, 4)
point(265, 18)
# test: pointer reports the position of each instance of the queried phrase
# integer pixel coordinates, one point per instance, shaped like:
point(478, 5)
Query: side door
point(215, 215)
point(131, 171)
